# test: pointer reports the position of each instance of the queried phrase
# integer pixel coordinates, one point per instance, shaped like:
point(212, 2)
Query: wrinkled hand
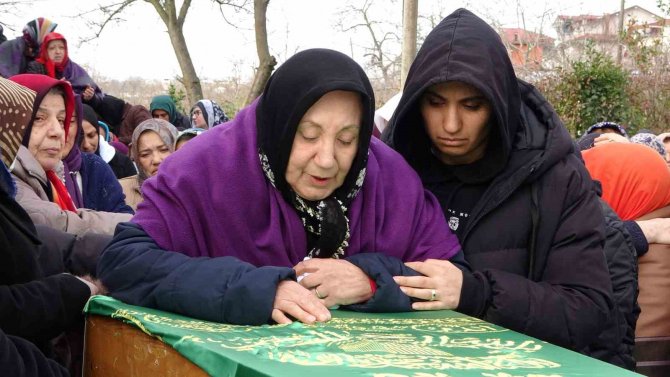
point(335, 281)
point(440, 276)
point(95, 285)
point(88, 93)
point(609, 138)
point(295, 301)
point(656, 230)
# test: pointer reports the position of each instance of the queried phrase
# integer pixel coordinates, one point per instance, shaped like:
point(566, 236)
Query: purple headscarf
point(212, 198)
point(72, 162)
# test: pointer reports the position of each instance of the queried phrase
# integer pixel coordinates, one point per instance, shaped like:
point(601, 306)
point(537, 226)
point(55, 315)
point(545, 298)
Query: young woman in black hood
point(522, 204)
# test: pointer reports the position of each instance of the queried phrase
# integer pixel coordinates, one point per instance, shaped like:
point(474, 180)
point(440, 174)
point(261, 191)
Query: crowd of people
point(473, 198)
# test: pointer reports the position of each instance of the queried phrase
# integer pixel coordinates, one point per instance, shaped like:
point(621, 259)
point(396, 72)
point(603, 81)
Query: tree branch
point(110, 12)
point(182, 12)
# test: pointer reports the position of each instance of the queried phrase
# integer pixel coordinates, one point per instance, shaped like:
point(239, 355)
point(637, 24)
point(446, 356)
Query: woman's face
point(198, 118)
point(456, 117)
point(56, 50)
point(151, 151)
point(47, 137)
point(161, 114)
point(71, 136)
point(325, 145)
point(90, 142)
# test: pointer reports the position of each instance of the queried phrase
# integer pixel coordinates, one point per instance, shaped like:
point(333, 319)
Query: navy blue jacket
point(137, 271)
point(100, 188)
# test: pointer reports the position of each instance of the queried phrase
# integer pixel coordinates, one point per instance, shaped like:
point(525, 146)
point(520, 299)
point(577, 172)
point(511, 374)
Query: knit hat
point(611, 125)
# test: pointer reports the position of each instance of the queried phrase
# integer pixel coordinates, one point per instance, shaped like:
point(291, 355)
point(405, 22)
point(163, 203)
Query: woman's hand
point(609, 138)
point(335, 281)
point(295, 301)
point(88, 93)
point(95, 285)
point(440, 287)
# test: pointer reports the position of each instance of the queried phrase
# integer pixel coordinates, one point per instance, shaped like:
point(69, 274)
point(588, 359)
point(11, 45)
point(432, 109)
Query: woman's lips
point(452, 142)
point(319, 181)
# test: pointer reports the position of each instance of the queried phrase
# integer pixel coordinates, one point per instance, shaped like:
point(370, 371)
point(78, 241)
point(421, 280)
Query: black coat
point(528, 167)
point(20, 358)
point(34, 308)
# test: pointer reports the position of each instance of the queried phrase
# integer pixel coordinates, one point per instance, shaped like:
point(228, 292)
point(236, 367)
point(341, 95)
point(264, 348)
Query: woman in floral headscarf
point(17, 53)
point(37, 166)
point(207, 114)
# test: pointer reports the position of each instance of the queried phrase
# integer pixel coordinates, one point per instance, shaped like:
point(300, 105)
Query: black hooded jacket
point(534, 236)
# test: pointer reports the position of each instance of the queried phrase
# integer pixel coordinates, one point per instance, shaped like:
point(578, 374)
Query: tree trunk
point(409, 18)
point(619, 52)
point(190, 77)
point(266, 61)
point(167, 11)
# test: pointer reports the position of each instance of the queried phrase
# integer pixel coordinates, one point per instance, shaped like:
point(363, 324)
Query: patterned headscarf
point(16, 107)
point(649, 140)
point(35, 31)
point(211, 111)
point(167, 132)
point(611, 125)
point(308, 75)
point(42, 85)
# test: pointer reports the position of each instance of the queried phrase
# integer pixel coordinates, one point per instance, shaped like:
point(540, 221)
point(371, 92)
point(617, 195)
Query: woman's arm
point(225, 289)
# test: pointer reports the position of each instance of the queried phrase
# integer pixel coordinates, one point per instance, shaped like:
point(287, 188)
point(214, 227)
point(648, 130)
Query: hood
point(525, 129)
point(461, 48)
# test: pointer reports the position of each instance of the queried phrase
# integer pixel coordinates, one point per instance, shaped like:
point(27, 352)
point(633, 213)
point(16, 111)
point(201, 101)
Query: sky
point(140, 47)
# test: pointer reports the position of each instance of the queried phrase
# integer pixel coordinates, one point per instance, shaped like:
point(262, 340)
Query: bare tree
point(266, 62)
point(383, 58)
point(410, 15)
point(174, 21)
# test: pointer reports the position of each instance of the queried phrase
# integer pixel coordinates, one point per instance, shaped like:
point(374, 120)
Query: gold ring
point(433, 295)
point(317, 293)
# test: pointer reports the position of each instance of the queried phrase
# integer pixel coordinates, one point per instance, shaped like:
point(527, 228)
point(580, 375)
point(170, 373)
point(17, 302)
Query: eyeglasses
point(196, 113)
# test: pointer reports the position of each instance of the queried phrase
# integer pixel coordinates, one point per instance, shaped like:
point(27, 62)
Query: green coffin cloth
point(418, 344)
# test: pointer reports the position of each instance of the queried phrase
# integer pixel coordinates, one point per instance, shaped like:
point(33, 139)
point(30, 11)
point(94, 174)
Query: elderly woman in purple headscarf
point(293, 189)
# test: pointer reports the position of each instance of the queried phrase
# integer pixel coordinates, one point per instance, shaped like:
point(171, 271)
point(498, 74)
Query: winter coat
point(34, 308)
point(100, 188)
point(555, 287)
point(616, 343)
point(32, 186)
point(131, 189)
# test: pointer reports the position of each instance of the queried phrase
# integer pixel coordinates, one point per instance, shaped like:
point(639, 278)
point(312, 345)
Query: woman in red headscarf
point(636, 184)
point(634, 178)
point(54, 62)
point(37, 166)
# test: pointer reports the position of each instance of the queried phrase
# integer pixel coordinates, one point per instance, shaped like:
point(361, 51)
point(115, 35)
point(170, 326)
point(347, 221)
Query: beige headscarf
point(16, 107)
point(167, 132)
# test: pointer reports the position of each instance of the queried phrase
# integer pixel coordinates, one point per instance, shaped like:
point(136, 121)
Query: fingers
point(431, 267)
point(311, 281)
point(428, 305)
point(295, 301)
point(413, 281)
point(280, 318)
point(420, 293)
point(309, 266)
